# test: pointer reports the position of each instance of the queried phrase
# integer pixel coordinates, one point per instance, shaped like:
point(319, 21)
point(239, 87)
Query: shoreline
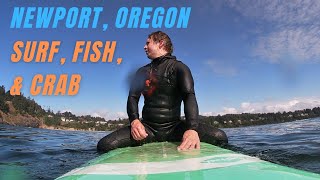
point(43, 126)
point(60, 128)
point(66, 128)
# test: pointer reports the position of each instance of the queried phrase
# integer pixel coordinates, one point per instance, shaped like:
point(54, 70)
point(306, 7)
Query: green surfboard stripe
point(166, 152)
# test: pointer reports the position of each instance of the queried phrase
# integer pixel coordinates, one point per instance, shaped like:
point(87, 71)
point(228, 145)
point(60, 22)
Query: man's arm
point(136, 87)
point(137, 129)
point(190, 139)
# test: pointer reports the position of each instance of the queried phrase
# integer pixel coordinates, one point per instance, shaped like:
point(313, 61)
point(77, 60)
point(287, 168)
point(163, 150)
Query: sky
point(245, 56)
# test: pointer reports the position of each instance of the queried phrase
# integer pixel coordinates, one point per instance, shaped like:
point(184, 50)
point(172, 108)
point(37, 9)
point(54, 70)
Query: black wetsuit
point(165, 83)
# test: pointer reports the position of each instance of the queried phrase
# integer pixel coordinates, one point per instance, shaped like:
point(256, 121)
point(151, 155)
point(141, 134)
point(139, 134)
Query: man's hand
point(190, 140)
point(138, 131)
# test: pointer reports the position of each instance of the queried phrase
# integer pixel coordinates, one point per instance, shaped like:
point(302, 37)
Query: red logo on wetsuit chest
point(150, 84)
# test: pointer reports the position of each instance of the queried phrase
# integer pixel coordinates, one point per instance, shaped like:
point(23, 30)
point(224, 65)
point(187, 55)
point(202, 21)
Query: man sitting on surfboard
point(164, 83)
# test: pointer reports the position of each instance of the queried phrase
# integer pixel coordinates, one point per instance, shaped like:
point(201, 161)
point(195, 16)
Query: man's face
point(152, 49)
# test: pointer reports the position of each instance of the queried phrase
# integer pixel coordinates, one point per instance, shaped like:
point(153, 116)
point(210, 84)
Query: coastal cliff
point(13, 117)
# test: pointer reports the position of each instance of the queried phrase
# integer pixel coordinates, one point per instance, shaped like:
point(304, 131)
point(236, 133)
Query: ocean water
point(31, 153)
point(295, 144)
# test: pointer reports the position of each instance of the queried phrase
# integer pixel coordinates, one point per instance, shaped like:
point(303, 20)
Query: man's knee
point(212, 135)
point(106, 144)
point(221, 136)
point(117, 139)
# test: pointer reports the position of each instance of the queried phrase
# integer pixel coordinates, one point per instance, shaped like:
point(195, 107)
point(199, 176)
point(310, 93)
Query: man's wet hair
point(158, 36)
